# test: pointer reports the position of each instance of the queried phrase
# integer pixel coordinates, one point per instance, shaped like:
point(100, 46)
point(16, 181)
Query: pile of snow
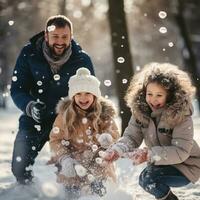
point(46, 188)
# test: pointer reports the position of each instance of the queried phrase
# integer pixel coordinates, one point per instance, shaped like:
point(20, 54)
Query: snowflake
point(80, 170)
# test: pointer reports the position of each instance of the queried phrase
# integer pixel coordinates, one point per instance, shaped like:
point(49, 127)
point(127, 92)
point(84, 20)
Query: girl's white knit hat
point(83, 81)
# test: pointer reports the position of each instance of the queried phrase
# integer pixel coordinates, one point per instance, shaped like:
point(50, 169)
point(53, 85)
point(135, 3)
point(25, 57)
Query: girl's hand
point(138, 156)
point(111, 155)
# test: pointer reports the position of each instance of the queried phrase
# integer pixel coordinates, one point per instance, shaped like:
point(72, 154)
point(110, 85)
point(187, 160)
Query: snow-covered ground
point(45, 187)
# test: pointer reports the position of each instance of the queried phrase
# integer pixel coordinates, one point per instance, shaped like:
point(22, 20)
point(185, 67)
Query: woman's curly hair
point(176, 82)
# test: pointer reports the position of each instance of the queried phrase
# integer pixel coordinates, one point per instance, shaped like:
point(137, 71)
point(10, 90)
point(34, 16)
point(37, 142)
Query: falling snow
point(84, 120)
point(80, 170)
point(170, 44)
point(14, 78)
point(107, 83)
point(38, 127)
point(56, 77)
point(162, 14)
point(39, 83)
point(120, 60)
point(163, 30)
point(11, 22)
point(51, 28)
point(56, 130)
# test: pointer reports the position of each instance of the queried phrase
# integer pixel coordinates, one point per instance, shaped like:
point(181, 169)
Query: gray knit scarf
point(56, 62)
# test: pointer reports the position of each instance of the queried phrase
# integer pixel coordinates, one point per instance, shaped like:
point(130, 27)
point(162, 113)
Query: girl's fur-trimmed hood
point(179, 105)
point(108, 109)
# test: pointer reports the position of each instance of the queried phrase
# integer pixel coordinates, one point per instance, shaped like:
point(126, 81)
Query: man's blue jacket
point(33, 79)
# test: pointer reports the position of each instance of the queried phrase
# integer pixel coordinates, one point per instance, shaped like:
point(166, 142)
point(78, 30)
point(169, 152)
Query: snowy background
point(158, 39)
point(45, 187)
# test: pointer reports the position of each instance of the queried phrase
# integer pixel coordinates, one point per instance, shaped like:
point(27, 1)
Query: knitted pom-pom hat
point(83, 81)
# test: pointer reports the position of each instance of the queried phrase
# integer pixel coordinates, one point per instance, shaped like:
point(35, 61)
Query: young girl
point(160, 99)
point(83, 129)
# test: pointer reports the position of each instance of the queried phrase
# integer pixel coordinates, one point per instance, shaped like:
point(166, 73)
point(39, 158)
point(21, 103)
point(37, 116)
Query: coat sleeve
point(132, 138)
point(57, 141)
point(21, 82)
point(180, 148)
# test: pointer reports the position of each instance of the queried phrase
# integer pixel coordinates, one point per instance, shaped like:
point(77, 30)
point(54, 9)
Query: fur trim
point(62, 105)
point(179, 105)
point(108, 108)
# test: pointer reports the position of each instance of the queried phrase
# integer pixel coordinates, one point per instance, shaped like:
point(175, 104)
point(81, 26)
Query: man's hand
point(37, 110)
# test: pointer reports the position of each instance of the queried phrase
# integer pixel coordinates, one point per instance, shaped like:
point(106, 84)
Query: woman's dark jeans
point(157, 180)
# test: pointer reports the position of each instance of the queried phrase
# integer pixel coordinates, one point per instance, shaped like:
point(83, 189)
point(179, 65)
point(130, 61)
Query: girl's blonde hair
point(73, 116)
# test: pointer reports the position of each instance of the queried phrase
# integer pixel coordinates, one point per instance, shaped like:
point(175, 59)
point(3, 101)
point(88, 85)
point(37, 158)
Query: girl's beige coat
point(80, 145)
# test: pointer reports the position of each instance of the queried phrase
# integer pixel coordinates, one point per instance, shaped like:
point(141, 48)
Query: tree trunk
point(63, 7)
point(190, 60)
point(121, 55)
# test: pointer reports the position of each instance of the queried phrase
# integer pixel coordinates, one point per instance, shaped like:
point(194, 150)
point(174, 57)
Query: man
point(40, 80)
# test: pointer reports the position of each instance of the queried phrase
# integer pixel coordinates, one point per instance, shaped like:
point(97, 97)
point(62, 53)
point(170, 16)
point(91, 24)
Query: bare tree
point(188, 48)
point(121, 54)
point(63, 7)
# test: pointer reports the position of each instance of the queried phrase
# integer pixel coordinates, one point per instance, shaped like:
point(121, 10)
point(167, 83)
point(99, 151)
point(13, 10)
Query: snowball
point(50, 189)
point(80, 170)
point(90, 177)
point(98, 160)
point(102, 154)
point(105, 140)
point(94, 147)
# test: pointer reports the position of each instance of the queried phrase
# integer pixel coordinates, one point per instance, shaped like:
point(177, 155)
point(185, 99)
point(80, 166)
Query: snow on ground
point(45, 187)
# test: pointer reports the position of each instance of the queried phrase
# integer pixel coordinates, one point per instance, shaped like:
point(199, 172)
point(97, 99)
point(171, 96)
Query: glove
point(68, 166)
point(37, 110)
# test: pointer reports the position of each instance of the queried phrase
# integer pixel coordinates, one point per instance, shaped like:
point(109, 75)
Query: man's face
point(58, 39)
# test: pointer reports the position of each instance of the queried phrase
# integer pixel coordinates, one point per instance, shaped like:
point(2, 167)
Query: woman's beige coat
point(169, 146)
point(79, 146)
point(168, 132)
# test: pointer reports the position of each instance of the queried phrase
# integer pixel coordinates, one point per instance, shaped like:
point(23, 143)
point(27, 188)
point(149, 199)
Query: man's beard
point(53, 53)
